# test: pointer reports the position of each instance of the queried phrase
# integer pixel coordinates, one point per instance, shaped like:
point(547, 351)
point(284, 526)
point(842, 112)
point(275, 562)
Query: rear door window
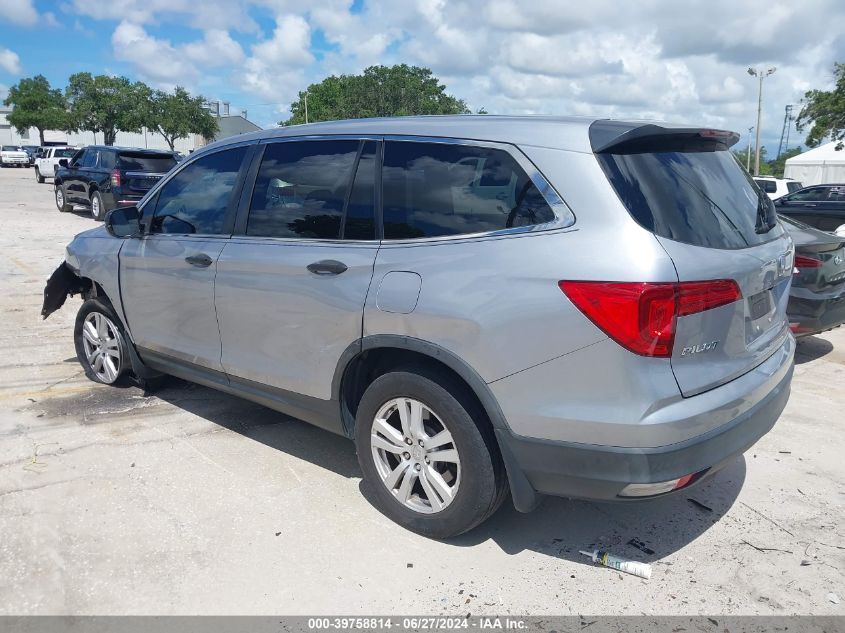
point(810, 194)
point(154, 163)
point(836, 194)
point(697, 197)
point(301, 189)
point(439, 189)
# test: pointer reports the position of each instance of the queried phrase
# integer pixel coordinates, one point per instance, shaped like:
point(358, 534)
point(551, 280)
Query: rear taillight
point(640, 316)
point(115, 178)
point(802, 261)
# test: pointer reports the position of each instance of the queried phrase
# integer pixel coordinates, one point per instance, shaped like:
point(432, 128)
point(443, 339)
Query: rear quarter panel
point(495, 302)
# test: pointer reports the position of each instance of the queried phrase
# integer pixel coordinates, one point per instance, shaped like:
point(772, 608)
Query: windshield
point(698, 197)
point(154, 163)
point(11, 148)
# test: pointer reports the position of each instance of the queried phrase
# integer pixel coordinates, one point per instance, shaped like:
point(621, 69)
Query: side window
point(76, 161)
point(301, 189)
point(89, 158)
point(360, 210)
point(436, 189)
point(812, 194)
point(836, 194)
point(107, 160)
point(197, 199)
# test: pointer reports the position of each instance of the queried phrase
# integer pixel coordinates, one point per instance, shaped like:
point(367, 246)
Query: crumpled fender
point(63, 282)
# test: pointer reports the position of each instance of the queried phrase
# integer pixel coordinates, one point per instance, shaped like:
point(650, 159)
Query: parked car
point(777, 187)
point(31, 152)
point(820, 206)
point(13, 156)
point(48, 159)
point(817, 297)
point(105, 177)
point(545, 310)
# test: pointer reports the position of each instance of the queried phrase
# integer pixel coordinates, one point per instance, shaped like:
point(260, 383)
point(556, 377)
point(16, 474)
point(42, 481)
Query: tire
point(100, 342)
point(38, 177)
point(61, 199)
point(476, 481)
point(98, 208)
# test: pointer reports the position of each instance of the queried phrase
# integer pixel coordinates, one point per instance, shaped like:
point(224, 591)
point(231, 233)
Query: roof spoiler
point(621, 137)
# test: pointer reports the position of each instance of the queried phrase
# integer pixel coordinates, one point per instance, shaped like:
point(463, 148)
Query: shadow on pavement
point(811, 348)
point(559, 527)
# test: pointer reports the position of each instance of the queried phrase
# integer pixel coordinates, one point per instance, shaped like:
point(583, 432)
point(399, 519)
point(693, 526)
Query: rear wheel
point(98, 209)
point(38, 176)
point(432, 468)
point(61, 200)
point(100, 343)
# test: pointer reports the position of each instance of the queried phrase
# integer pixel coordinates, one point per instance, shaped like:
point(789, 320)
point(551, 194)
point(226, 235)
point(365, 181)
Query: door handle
point(200, 260)
point(327, 267)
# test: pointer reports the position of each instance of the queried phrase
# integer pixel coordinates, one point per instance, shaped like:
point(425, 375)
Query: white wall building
point(228, 126)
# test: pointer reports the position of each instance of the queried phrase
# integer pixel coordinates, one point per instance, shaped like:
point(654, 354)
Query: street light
point(748, 152)
point(760, 74)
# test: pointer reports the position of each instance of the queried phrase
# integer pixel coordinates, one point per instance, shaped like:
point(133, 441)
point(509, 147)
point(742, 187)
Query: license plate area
point(761, 313)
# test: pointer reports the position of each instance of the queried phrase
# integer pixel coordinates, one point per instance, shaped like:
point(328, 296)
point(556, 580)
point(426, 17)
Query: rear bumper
point(590, 471)
point(811, 313)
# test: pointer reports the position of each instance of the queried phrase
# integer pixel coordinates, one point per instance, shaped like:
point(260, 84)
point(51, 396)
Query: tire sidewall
point(63, 207)
point(99, 217)
point(477, 489)
point(104, 308)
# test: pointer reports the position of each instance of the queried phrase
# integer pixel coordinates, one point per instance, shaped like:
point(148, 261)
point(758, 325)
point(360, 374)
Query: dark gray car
point(545, 305)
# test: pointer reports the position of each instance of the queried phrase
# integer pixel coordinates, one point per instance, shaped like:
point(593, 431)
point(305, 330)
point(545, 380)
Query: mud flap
point(62, 282)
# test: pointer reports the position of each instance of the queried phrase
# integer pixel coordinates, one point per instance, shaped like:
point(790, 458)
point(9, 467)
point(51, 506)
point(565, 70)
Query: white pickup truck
point(13, 155)
point(48, 162)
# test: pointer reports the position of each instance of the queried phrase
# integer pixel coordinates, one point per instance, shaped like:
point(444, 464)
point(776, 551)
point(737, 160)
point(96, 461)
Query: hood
point(15, 152)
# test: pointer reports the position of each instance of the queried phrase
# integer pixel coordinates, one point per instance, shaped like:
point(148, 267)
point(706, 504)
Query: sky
point(682, 61)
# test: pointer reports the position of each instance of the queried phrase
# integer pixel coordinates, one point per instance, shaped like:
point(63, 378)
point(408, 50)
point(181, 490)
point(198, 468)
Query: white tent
point(820, 165)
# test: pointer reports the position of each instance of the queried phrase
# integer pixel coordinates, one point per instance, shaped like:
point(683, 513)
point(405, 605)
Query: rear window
point(64, 153)
point(155, 163)
point(769, 186)
point(697, 197)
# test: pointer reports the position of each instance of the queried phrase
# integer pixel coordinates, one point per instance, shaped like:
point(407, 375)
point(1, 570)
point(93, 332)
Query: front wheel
point(430, 459)
point(100, 343)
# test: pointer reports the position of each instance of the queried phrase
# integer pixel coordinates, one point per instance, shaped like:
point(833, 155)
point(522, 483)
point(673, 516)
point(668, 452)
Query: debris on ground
point(832, 597)
point(766, 549)
point(635, 542)
point(699, 505)
point(643, 570)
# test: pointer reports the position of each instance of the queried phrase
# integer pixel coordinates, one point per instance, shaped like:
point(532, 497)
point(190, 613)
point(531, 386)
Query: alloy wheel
point(101, 342)
point(415, 455)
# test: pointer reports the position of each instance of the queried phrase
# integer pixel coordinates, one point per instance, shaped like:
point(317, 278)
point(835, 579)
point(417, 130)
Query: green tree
point(107, 104)
point(384, 91)
point(37, 105)
point(176, 115)
point(824, 112)
point(741, 155)
point(779, 164)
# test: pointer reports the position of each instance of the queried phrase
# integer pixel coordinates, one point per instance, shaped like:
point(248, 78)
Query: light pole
point(760, 74)
point(748, 153)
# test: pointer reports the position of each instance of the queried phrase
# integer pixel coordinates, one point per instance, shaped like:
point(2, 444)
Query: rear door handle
point(200, 260)
point(327, 267)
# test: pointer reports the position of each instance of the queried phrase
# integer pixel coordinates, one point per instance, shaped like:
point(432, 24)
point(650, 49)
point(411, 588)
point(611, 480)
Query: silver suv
point(583, 308)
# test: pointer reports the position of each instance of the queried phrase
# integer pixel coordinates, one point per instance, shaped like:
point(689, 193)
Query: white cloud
point(9, 61)
point(217, 48)
point(156, 60)
point(20, 12)
point(4, 92)
point(290, 44)
point(678, 61)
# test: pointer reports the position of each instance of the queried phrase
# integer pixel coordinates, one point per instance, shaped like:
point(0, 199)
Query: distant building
point(228, 124)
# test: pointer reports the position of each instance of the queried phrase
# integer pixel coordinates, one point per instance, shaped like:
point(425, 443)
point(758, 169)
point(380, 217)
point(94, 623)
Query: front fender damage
point(63, 282)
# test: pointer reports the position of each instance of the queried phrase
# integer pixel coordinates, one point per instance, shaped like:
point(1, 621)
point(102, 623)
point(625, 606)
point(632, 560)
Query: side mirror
point(63, 162)
point(124, 222)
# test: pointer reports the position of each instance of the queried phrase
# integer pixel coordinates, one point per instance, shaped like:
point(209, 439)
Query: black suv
point(820, 206)
point(103, 177)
